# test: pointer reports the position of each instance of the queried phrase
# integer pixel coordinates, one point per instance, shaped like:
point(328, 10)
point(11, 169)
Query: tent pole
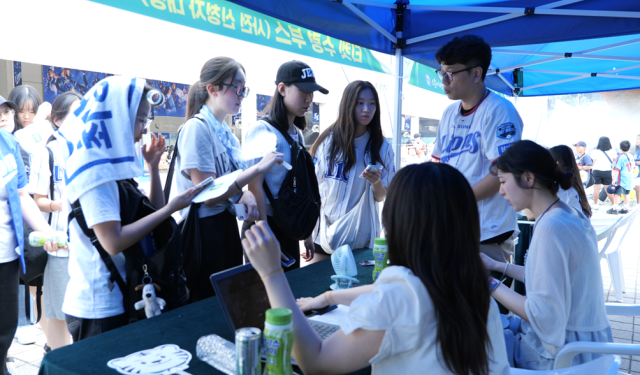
point(397, 110)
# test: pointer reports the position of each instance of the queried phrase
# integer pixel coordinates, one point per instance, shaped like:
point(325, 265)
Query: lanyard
point(540, 218)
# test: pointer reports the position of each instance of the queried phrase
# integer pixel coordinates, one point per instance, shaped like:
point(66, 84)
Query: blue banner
point(17, 73)
point(57, 81)
point(175, 98)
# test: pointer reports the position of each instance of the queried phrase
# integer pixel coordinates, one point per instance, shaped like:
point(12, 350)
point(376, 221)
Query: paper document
point(219, 186)
point(332, 317)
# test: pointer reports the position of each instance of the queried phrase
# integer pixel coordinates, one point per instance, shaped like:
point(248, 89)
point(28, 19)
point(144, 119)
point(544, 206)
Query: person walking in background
point(622, 179)
point(636, 168)
point(349, 193)
point(473, 132)
point(585, 163)
point(575, 196)
point(421, 147)
point(602, 157)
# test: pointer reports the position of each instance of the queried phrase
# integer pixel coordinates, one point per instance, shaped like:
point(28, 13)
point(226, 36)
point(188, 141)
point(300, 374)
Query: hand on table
point(311, 249)
point(309, 303)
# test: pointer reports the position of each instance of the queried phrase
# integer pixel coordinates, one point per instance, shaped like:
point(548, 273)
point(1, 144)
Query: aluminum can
point(248, 342)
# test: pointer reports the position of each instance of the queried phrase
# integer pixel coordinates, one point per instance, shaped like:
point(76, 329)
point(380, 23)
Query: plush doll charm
point(152, 305)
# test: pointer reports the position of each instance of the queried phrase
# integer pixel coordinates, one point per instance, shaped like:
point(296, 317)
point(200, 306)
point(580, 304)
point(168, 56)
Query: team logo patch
point(506, 130)
point(503, 148)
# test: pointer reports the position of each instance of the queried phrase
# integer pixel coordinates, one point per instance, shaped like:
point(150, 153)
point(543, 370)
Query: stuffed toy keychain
point(152, 305)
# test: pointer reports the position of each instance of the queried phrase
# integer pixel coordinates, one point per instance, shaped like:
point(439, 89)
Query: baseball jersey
point(471, 142)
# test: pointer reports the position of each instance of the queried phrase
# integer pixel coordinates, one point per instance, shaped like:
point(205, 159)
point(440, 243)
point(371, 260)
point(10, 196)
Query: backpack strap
point(174, 157)
point(38, 298)
point(50, 179)
point(76, 213)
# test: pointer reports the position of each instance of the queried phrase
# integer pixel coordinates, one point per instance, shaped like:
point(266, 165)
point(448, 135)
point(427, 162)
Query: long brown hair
point(343, 131)
point(564, 157)
point(433, 228)
point(214, 72)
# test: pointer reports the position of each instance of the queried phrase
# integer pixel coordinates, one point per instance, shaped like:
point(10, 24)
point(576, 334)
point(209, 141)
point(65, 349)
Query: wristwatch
point(493, 284)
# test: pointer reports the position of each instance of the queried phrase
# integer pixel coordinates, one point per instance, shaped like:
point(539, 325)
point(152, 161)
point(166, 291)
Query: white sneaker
point(27, 335)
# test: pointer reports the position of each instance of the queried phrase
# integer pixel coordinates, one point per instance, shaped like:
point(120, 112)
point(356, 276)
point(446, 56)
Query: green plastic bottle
point(278, 342)
point(380, 256)
point(37, 239)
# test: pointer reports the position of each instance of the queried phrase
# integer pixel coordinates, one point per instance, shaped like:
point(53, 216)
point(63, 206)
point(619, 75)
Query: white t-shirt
point(88, 295)
point(8, 244)
point(39, 181)
point(401, 306)
point(471, 142)
point(570, 197)
point(600, 161)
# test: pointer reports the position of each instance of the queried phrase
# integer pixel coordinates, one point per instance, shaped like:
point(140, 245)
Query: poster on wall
point(58, 80)
point(17, 73)
point(261, 103)
point(175, 98)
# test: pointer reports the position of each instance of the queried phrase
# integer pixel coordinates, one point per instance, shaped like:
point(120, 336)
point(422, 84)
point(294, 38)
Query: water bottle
point(278, 342)
point(380, 256)
point(39, 238)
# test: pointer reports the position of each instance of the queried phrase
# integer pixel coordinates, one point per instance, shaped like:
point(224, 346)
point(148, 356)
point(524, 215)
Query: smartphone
point(204, 183)
point(288, 263)
point(241, 211)
point(372, 168)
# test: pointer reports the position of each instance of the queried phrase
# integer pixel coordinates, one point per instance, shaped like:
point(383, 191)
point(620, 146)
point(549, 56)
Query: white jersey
point(336, 189)
point(471, 142)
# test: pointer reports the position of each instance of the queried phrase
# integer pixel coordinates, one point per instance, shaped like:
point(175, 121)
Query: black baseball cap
point(301, 75)
point(11, 104)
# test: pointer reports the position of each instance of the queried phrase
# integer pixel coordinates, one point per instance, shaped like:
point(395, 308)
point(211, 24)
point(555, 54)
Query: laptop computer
point(244, 300)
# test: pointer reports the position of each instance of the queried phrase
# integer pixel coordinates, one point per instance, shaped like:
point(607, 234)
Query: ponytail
point(563, 155)
point(214, 72)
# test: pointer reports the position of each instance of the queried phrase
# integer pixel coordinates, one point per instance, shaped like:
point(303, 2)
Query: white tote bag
point(358, 228)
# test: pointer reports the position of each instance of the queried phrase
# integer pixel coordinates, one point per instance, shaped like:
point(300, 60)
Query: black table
point(183, 327)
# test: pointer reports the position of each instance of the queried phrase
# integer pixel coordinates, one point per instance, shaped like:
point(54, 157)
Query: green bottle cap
point(380, 241)
point(279, 317)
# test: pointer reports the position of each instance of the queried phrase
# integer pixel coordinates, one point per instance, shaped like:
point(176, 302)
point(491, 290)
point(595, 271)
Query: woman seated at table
point(430, 309)
point(564, 301)
point(575, 195)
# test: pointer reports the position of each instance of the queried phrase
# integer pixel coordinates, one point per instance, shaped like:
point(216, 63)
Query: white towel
point(99, 136)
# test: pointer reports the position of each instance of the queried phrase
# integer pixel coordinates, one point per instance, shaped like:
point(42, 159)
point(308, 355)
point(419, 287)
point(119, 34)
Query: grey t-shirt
point(359, 183)
point(200, 148)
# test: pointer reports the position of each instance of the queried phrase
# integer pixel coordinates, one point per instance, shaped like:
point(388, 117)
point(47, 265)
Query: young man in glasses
point(473, 132)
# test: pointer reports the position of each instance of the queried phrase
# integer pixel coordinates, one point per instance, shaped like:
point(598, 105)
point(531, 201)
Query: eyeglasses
point(8, 112)
point(240, 91)
point(447, 77)
point(146, 121)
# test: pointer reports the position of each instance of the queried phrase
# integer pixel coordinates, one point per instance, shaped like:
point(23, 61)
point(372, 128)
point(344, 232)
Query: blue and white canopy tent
point(540, 47)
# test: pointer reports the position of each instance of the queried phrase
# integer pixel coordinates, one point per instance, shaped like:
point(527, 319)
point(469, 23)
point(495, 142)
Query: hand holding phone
point(372, 169)
point(204, 183)
point(288, 262)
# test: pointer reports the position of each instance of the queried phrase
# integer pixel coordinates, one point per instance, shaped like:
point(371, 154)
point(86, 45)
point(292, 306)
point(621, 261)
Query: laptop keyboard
point(323, 330)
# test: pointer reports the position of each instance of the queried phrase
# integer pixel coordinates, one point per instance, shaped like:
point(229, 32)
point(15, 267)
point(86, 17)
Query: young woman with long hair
point(208, 148)
point(603, 158)
point(429, 311)
point(575, 195)
point(295, 85)
point(341, 154)
point(564, 301)
point(56, 274)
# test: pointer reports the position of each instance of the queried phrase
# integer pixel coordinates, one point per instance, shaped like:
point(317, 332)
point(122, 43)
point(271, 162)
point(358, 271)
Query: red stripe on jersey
point(477, 105)
point(435, 157)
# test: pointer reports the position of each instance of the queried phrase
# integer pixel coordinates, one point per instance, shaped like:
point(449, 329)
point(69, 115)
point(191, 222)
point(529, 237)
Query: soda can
point(248, 351)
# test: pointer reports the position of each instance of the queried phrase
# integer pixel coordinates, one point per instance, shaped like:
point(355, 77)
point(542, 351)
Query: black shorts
point(602, 177)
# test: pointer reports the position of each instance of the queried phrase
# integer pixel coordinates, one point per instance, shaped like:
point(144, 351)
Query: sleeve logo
point(506, 131)
point(504, 147)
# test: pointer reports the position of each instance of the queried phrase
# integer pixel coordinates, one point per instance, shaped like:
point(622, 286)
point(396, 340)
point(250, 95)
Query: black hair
point(417, 135)
point(528, 156)
point(21, 95)
point(468, 50)
point(275, 112)
point(433, 228)
point(625, 146)
point(61, 105)
point(604, 144)
point(563, 155)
